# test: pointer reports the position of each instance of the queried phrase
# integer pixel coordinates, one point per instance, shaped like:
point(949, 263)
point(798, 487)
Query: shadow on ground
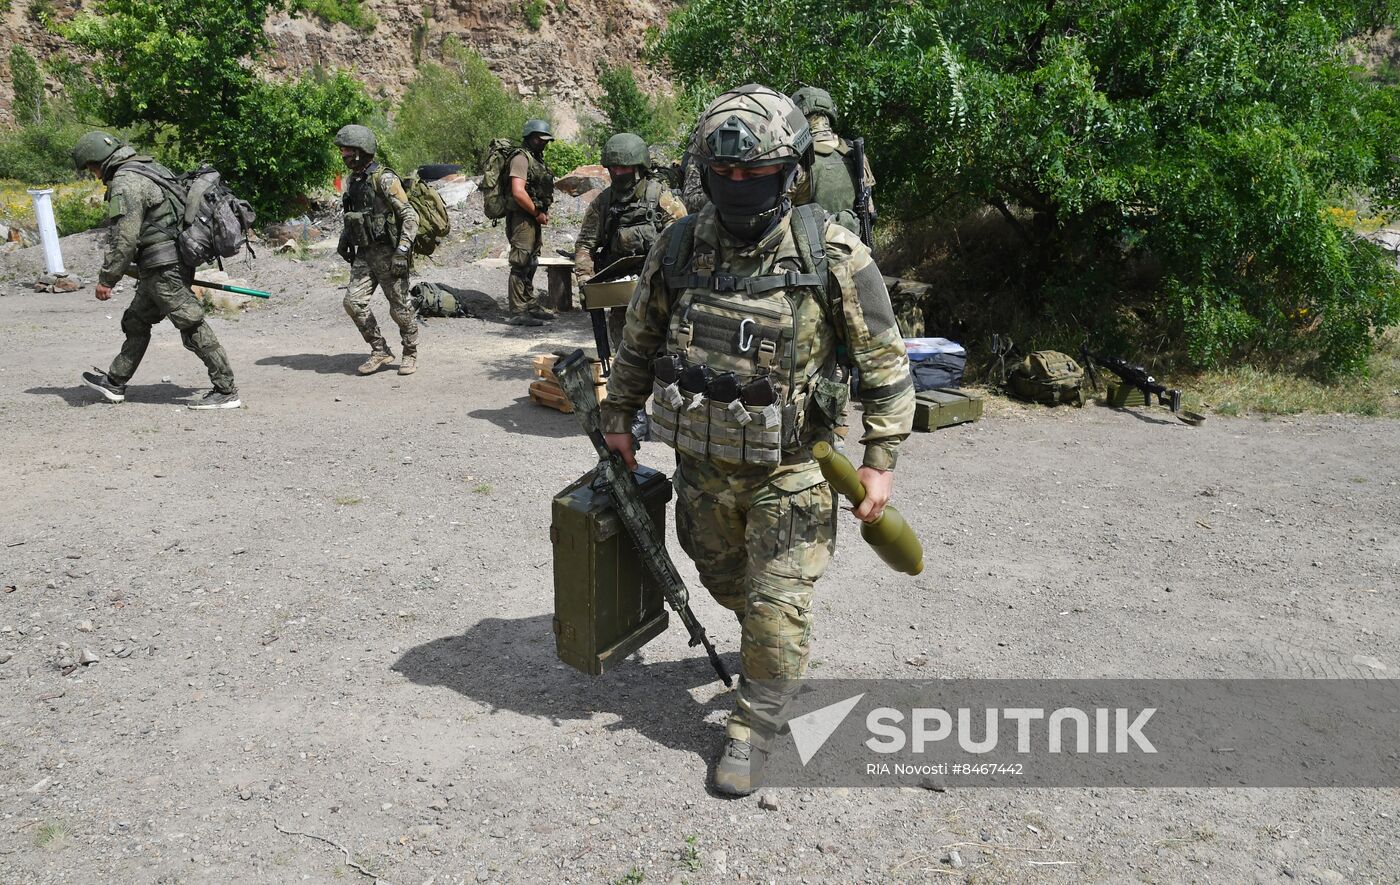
point(320, 363)
point(509, 664)
point(149, 394)
point(525, 417)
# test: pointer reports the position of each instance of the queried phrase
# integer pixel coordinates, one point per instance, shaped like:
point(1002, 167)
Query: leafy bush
point(626, 108)
point(563, 157)
point(452, 110)
point(349, 12)
point(76, 211)
point(180, 73)
point(29, 86)
point(40, 153)
point(1204, 141)
point(533, 10)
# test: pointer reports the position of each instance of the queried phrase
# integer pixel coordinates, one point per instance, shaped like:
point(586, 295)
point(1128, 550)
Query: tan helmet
point(358, 137)
point(752, 126)
point(94, 147)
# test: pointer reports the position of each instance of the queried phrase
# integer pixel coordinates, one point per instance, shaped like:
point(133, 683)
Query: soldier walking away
point(531, 192)
point(377, 240)
point(144, 220)
point(626, 218)
point(745, 303)
point(832, 180)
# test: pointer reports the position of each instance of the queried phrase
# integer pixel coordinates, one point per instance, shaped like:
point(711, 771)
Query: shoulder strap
point(811, 247)
point(169, 186)
point(809, 232)
point(682, 243)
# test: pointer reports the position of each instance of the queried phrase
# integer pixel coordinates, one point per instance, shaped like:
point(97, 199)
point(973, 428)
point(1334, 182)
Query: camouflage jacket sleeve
point(407, 217)
point(128, 198)
point(588, 235)
point(648, 317)
point(868, 328)
point(693, 187)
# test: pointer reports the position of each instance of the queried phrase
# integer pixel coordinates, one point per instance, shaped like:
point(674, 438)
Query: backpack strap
point(172, 193)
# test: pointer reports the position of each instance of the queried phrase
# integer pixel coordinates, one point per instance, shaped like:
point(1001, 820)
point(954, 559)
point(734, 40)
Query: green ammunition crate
point(605, 605)
point(1122, 395)
point(945, 407)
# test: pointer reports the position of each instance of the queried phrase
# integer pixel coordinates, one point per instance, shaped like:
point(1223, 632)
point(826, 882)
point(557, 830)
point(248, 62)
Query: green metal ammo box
point(605, 604)
point(945, 407)
point(1122, 395)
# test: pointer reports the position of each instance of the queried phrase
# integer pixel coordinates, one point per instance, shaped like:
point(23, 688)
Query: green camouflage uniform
point(761, 534)
point(386, 223)
point(829, 182)
point(640, 219)
point(144, 223)
point(524, 233)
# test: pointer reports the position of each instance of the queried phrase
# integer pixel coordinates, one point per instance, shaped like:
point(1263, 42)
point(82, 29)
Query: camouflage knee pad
point(777, 631)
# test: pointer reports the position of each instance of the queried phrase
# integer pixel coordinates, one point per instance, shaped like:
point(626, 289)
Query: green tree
point(452, 110)
point(29, 86)
point(184, 74)
point(1205, 140)
point(626, 108)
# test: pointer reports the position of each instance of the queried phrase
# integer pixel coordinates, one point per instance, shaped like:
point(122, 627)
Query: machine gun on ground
point(1131, 375)
point(575, 376)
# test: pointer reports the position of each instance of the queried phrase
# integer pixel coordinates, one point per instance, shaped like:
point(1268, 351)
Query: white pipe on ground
point(48, 231)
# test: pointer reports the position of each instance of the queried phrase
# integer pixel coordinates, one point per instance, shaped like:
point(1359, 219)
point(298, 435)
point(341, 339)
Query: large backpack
point(214, 222)
point(1047, 377)
point(495, 176)
point(433, 223)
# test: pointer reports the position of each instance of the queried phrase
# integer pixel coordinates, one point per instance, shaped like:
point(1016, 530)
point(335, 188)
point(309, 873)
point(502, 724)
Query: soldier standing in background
point(734, 328)
point(532, 192)
point(831, 182)
point(377, 240)
point(626, 218)
point(144, 219)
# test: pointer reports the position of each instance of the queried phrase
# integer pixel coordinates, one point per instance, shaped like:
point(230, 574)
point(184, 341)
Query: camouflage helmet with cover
point(752, 126)
point(94, 147)
point(537, 127)
point(815, 100)
point(358, 137)
point(626, 149)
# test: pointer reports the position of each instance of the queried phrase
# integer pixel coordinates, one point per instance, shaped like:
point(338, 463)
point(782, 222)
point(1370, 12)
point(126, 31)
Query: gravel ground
point(322, 622)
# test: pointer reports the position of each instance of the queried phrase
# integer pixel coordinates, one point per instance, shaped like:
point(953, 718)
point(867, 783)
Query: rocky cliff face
point(558, 63)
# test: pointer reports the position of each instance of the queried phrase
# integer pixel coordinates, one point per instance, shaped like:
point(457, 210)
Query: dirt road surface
point(322, 624)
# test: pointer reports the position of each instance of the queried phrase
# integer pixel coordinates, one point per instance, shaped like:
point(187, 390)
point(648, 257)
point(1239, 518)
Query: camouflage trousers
point(760, 540)
point(525, 238)
point(373, 266)
point(164, 293)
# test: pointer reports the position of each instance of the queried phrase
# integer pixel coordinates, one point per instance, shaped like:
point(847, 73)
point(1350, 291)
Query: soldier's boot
point(409, 364)
point(542, 313)
point(103, 384)
point(377, 360)
point(740, 768)
point(523, 319)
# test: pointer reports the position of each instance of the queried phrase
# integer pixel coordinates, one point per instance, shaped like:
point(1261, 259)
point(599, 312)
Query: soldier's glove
point(400, 262)
point(346, 251)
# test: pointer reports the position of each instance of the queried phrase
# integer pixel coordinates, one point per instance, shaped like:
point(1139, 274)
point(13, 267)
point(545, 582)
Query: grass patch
point(1252, 391)
point(348, 501)
point(633, 876)
point(483, 489)
point(51, 835)
point(690, 856)
point(349, 12)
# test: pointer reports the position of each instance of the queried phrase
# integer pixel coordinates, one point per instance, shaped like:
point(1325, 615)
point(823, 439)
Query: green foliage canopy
point(183, 73)
point(1207, 139)
point(28, 84)
point(452, 110)
point(626, 108)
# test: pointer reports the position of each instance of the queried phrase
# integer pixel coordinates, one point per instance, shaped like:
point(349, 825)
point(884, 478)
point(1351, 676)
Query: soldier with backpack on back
point(517, 186)
point(144, 214)
point(377, 240)
point(832, 182)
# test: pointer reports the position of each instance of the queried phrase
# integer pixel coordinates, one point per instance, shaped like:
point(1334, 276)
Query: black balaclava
point(750, 209)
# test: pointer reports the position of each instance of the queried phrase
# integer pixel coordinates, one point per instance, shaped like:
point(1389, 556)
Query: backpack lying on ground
point(495, 176)
point(437, 300)
point(214, 222)
point(433, 223)
point(936, 363)
point(1047, 377)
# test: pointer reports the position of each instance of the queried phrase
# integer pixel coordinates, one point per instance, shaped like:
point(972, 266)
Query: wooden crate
point(545, 391)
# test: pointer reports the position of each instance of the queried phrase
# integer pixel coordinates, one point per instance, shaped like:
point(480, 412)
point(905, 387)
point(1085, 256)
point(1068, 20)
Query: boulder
point(455, 190)
point(582, 180)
